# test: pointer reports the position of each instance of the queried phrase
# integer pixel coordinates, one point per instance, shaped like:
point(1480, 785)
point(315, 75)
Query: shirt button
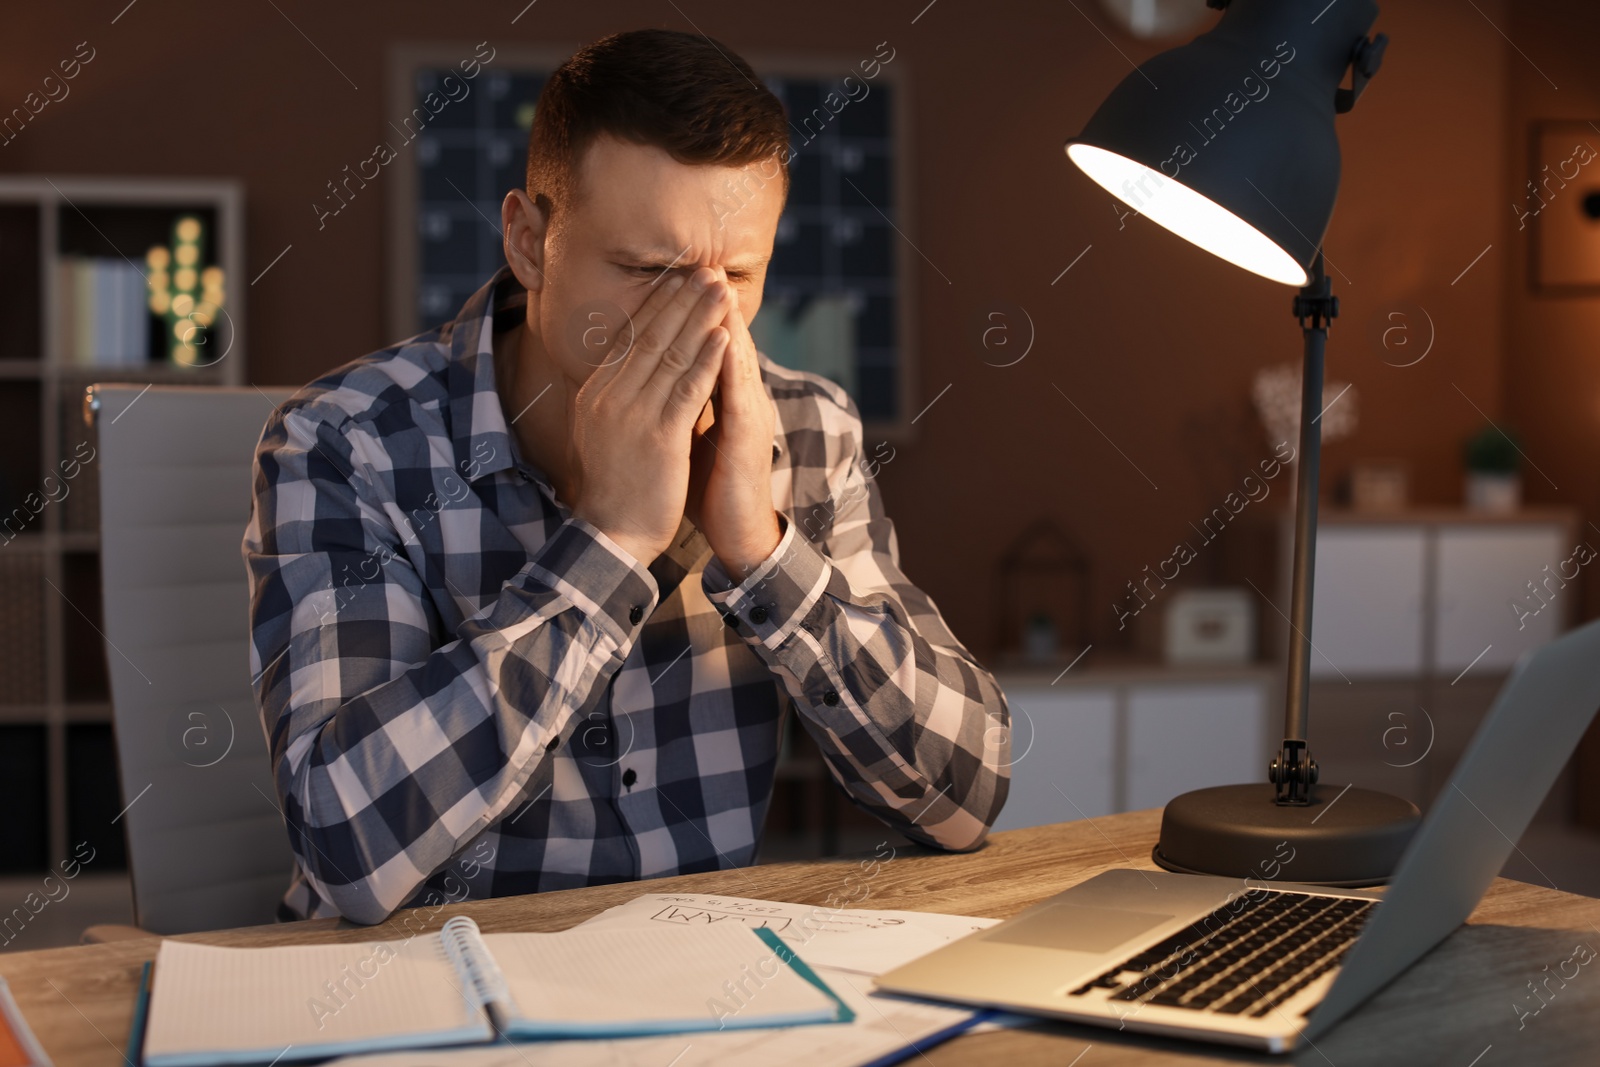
point(628, 777)
point(831, 698)
point(635, 614)
point(555, 743)
point(731, 619)
point(758, 614)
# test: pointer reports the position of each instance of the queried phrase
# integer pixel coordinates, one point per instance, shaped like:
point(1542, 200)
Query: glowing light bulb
point(1198, 219)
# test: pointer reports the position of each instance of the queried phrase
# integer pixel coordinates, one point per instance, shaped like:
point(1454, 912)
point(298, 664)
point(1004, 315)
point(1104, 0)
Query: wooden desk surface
point(1457, 1006)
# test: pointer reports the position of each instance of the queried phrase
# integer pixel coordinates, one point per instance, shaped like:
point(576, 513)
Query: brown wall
point(1155, 342)
point(1552, 375)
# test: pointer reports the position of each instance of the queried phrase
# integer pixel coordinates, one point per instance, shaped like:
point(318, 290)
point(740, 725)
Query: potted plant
point(1494, 480)
point(1041, 641)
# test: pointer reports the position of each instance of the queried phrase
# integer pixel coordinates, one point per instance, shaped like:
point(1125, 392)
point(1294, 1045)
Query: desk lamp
point(1228, 141)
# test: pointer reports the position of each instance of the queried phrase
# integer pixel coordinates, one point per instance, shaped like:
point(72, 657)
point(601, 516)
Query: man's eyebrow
point(647, 255)
point(664, 261)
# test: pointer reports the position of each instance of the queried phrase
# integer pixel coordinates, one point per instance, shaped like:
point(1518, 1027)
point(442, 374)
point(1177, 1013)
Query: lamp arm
point(1294, 771)
point(1365, 59)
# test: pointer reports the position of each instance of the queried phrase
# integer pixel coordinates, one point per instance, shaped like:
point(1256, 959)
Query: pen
point(141, 1010)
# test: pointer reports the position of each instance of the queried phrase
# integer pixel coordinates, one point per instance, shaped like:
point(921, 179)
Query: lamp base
point(1347, 837)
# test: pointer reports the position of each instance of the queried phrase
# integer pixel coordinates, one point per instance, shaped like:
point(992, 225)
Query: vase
point(1493, 493)
point(1041, 643)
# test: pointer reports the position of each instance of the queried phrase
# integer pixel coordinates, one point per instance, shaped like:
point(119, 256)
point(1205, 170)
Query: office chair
point(206, 842)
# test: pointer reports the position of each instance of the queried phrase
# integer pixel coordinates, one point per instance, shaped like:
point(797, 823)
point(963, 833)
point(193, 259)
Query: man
point(533, 591)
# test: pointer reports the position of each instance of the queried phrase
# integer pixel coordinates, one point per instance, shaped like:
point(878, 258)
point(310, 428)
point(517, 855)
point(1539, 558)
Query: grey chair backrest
point(207, 847)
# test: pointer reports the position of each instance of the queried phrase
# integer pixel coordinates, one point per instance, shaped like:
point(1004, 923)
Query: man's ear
point(524, 224)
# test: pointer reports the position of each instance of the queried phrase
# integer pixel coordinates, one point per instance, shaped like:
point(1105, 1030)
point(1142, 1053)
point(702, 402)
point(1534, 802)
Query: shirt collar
point(478, 427)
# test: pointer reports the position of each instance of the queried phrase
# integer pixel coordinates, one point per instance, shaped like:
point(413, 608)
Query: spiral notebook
point(211, 1005)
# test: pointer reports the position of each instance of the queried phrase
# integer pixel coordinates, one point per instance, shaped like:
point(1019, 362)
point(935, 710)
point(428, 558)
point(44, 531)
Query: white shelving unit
point(1415, 632)
point(1103, 739)
point(51, 659)
point(1431, 592)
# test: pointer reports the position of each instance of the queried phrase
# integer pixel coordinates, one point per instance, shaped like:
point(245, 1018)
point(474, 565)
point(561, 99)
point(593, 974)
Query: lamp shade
point(1229, 140)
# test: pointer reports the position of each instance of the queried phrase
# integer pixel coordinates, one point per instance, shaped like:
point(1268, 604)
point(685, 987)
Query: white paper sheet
point(865, 941)
point(858, 941)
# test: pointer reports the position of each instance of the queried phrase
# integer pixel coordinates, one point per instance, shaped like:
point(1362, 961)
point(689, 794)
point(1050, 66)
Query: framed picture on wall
point(1560, 206)
point(837, 296)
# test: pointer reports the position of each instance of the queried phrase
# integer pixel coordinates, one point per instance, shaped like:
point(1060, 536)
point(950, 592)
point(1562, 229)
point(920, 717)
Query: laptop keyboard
point(1245, 958)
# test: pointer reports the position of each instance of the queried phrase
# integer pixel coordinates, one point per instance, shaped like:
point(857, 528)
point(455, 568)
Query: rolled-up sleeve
point(916, 732)
point(394, 743)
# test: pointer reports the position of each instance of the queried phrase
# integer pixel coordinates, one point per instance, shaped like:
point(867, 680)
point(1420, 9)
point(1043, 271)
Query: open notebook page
point(884, 1025)
point(578, 980)
point(219, 1005)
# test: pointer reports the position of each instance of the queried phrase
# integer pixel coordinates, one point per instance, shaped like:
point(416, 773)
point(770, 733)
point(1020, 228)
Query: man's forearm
point(917, 733)
point(568, 620)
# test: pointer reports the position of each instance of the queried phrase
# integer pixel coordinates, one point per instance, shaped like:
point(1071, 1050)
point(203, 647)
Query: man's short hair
point(684, 93)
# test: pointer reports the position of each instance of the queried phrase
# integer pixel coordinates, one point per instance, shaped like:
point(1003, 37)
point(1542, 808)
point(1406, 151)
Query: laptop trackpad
point(1076, 929)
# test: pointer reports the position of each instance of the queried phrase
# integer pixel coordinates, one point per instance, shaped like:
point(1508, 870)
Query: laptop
point(1268, 965)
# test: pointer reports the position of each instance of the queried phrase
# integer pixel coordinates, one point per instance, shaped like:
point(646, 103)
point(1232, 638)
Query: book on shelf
point(104, 314)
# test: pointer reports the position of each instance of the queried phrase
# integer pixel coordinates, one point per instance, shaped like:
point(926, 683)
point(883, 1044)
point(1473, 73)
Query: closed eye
point(737, 277)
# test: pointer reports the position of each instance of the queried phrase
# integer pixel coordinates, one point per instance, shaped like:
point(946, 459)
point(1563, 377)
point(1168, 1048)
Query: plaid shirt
point(468, 691)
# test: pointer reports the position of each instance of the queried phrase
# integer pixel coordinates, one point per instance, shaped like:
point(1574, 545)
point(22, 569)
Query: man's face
point(640, 214)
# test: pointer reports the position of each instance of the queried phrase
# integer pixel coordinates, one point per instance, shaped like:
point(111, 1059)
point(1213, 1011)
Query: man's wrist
point(741, 563)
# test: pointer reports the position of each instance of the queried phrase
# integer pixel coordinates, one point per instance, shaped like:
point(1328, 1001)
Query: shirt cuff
point(779, 593)
point(601, 578)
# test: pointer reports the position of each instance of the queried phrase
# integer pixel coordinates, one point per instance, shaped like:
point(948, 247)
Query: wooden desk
point(1448, 1009)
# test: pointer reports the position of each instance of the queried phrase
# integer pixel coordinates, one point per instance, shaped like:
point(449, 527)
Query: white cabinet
point(1106, 740)
point(1483, 571)
point(1063, 755)
point(1366, 605)
point(1189, 737)
point(1432, 593)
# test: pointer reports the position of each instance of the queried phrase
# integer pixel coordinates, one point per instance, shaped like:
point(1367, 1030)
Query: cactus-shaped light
point(187, 297)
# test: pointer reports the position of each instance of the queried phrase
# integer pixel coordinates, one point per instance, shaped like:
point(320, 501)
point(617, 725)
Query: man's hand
point(633, 419)
point(730, 494)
